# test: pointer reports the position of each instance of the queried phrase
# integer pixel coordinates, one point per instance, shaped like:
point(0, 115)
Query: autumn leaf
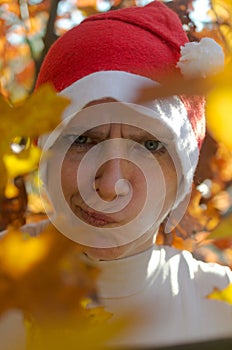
point(73, 335)
point(223, 294)
point(220, 13)
point(39, 114)
point(45, 276)
point(4, 178)
point(26, 251)
point(223, 230)
point(87, 3)
point(98, 314)
point(219, 109)
point(22, 164)
point(47, 279)
point(221, 164)
point(183, 244)
point(207, 215)
point(12, 210)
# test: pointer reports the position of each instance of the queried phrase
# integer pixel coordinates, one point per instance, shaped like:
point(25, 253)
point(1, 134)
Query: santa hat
point(114, 54)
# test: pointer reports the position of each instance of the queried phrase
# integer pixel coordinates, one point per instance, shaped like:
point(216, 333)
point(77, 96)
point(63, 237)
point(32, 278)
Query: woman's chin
point(136, 246)
point(98, 254)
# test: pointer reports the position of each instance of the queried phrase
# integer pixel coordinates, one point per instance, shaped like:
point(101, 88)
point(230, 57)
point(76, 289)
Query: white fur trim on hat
point(201, 59)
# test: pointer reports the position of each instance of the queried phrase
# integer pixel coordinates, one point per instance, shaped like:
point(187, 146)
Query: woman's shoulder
point(201, 272)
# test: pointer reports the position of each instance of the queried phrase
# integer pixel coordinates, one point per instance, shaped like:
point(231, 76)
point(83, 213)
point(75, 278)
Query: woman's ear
point(176, 214)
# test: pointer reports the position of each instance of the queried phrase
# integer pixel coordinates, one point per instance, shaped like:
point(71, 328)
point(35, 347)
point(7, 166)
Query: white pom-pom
point(201, 59)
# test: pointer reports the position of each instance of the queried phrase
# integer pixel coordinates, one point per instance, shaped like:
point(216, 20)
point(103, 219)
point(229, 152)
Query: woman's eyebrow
point(99, 134)
point(80, 131)
point(131, 136)
point(139, 136)
point(96, 134)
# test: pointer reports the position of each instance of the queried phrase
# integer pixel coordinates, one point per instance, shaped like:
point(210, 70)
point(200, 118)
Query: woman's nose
point(111, 181)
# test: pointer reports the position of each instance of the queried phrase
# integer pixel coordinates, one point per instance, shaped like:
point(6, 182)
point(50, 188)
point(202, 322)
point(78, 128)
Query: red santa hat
point(114, 54)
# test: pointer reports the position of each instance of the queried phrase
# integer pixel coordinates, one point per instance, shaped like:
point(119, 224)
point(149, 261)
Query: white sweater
point(165, 290)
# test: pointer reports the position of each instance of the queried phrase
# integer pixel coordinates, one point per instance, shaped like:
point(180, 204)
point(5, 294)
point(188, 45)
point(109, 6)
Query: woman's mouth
point(94, 218)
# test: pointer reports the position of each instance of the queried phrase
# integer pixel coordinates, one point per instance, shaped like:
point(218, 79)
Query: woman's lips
point(94, 218)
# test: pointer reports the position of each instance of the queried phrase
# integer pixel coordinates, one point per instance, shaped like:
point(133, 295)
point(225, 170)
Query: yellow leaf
point(39, 114)
point(223, 230)
point(221, 13)
point(219, 107)
point(223, 294)
point(11, 190)
point(98, 314)
point(18, 165)
point(3, 180)
point(219, 111)
point(19, 252)
point(74, 335)
point(44, 276)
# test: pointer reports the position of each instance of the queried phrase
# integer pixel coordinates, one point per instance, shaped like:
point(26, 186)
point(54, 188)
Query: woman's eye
point(81, 140)
point(153, 145)
point(78, 140)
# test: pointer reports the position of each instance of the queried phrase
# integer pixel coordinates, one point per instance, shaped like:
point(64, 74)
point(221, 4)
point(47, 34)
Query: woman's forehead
point(124, 130)
point(105, 128)
point(123, 127)
point(103, 117)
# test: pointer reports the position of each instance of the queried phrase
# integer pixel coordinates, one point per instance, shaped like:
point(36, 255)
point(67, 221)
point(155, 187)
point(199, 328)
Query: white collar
point(127, 276)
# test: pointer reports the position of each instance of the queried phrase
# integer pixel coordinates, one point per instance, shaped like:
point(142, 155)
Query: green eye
point(153, 145)
point(81, 140)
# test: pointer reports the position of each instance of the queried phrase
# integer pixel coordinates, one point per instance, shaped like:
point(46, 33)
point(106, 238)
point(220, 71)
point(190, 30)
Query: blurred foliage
point(224, 294)
point(18, 156)
point(27, 30)
point(50, 284)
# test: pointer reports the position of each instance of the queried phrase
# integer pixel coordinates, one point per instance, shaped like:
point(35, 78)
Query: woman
point(118, 169)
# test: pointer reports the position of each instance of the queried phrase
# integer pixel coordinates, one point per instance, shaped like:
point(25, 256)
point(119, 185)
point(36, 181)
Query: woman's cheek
point(170, 184)
point(69, 177)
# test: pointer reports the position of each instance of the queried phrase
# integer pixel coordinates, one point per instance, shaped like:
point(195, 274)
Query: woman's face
point(107, 175)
